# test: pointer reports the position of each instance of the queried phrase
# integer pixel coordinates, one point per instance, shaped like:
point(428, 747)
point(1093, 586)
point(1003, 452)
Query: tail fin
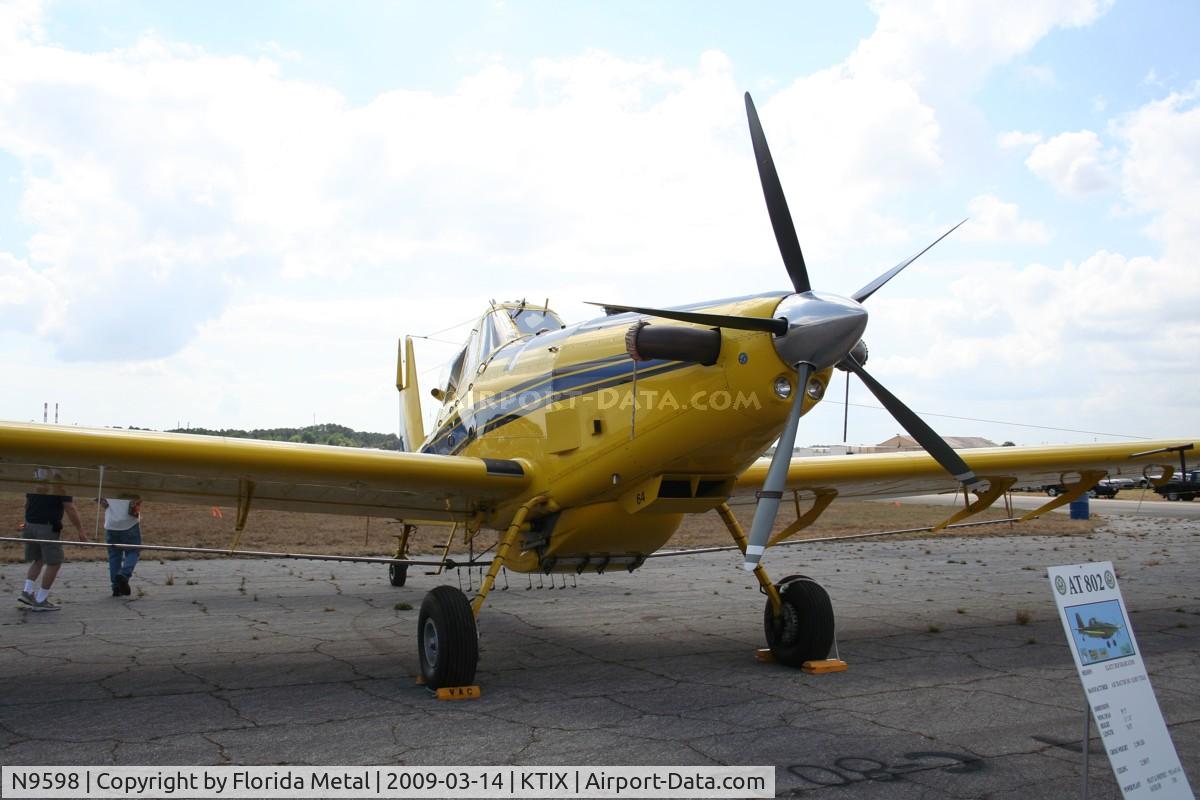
point(1079, 621)
point(412, 433)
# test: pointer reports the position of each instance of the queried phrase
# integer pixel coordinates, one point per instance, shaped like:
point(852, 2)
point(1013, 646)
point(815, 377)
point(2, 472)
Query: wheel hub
point(789, 624)
point(429, 642)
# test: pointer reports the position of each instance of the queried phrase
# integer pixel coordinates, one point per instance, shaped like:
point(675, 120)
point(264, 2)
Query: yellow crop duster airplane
point(584, 446)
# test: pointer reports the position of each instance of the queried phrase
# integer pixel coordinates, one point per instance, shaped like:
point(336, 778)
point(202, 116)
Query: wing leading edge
point(213, 470)
point(879, 475)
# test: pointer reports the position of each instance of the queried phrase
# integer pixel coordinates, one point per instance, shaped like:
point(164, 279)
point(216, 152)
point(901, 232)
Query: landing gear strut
point(798, 619)
point(398, 573)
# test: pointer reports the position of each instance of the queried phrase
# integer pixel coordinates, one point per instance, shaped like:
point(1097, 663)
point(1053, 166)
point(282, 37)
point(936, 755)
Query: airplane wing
point(879, 475)
point(212, 470)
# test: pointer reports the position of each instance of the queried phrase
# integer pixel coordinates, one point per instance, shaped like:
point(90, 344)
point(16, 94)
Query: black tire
point(1052, 491)
point(1172, 496)
point(397, 574)
point(447, 639)
point(1188, 497)
point(804, 631)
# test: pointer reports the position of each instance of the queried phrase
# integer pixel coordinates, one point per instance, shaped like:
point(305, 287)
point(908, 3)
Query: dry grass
point(848, 517)
point(197, 526)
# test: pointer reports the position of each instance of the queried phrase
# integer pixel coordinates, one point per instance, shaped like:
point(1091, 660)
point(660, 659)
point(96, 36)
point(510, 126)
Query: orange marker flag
point(216, 512)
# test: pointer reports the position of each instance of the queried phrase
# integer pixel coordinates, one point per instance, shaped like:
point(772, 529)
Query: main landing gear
point(798, 619)
point(447, 636)
point(447, 639)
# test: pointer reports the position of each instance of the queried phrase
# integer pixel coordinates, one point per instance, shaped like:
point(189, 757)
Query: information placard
point(1114, 678)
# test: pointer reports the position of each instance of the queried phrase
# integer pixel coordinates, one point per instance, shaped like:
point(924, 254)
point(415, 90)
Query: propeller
point(870, 288)
point(777, 325)
point(820, 326)
point(771, 493)
point(812, 331)
point(846, 412)
point(777, 207)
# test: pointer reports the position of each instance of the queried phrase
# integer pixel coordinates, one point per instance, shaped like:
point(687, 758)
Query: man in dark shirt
point(43, 520)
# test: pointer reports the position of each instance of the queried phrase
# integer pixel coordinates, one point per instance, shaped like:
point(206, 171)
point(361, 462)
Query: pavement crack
point(222, 753)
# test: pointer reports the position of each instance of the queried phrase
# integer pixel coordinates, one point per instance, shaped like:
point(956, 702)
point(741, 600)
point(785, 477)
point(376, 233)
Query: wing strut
point(997, 487)
point(821, 502)
point(1073, 492)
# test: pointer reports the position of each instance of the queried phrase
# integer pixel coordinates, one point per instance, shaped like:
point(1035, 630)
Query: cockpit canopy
point(503, 323)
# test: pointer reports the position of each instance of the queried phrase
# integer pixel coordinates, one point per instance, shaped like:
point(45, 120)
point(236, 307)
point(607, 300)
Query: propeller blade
point(776, 480)
point(781, 218)
point(846, 412)
point(777, 326)
point(926, 436)
point(873, 286)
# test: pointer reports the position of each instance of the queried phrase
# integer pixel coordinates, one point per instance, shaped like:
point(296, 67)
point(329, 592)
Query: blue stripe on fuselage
point(511, 405)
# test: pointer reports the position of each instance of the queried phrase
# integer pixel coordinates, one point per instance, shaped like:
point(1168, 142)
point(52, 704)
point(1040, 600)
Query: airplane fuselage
point(623, 448)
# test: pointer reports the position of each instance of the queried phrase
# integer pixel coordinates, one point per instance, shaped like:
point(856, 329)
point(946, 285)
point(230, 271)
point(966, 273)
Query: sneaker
point(45, 605)
point(26, 598)
point(116, 591)
point(123, 585)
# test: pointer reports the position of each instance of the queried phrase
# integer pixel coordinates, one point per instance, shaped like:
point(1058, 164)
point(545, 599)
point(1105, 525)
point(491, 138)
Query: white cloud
point(27, 297)
point(993, 220)
point(885, 136)
point(877, 122)
point(1056, 346)
point(916, 41)
point(182, 177)
point(1068, 341)
point(20, 21)
point(1160, 174)
point(1011, 140)
point(1038, 75)
point(1073, 163)
point(185, 177)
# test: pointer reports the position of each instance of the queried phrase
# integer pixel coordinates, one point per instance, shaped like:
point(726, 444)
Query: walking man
point(122, 525)
point(43, 520)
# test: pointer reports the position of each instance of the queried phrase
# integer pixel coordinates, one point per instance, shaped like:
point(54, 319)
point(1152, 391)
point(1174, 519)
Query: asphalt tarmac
point(960, 682)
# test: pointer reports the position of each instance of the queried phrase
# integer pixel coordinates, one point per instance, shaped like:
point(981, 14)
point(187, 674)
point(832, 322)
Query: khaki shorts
point(48, 554)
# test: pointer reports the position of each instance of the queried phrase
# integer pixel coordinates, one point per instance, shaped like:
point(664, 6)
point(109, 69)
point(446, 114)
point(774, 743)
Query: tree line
point(325, 433)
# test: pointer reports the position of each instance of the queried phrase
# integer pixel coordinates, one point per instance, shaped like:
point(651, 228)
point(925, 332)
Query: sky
point(225, 214)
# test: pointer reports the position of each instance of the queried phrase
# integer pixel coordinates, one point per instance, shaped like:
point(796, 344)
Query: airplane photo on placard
point(583, 447)
point(1099, 632)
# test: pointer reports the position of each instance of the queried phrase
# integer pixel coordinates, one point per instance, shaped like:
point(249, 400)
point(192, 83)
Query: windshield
point(496, 329)
point(499, 326)
point(535, 320)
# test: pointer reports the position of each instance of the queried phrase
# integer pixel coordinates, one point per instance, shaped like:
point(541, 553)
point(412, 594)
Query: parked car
point(1182, 486)
point(1101, 489)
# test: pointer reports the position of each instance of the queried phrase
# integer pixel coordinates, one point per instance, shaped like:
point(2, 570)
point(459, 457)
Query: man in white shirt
point(122, 525)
